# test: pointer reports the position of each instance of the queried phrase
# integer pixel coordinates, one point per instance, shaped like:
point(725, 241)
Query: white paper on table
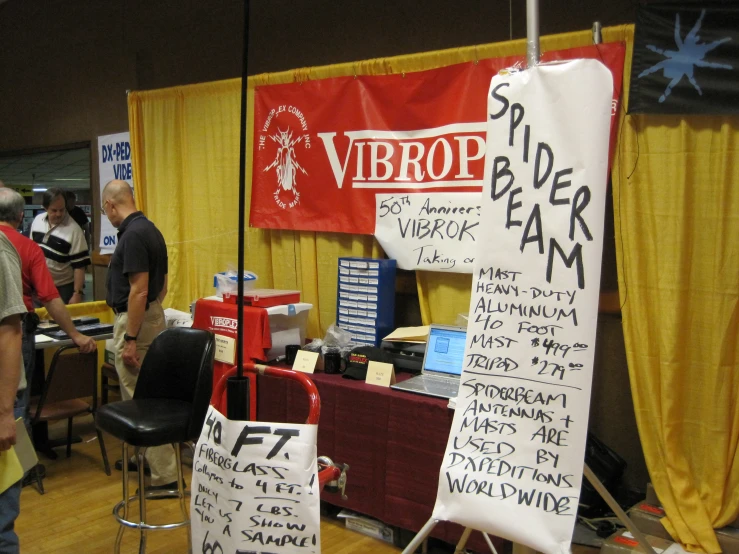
point(280, 339)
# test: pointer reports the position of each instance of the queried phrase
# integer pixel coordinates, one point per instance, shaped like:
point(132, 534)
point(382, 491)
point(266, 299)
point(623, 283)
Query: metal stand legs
point(120, 511)
point(589, 475)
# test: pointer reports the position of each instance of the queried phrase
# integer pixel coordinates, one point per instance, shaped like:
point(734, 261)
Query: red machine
point(220, 318)
point(332, 476)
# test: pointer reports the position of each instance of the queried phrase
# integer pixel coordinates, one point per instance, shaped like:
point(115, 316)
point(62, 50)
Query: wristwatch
point(80, 292)
point(127, 337)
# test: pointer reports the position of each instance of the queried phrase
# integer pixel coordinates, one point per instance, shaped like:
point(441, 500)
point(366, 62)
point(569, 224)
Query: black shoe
point(132, 466)
point(166, 487)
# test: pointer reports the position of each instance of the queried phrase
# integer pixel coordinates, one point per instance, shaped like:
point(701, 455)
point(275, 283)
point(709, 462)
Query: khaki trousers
point(161, 459)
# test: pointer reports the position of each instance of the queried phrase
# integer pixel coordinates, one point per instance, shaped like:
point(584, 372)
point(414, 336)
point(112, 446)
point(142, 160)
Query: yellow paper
point(225, 349)
point(305, 361)
point(11, 470)
point(380, 374)
point(409, 334)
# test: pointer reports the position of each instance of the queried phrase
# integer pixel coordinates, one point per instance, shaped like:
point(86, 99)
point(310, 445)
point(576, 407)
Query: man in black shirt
point(137, 285)
point(74, 211)
point(78, 214)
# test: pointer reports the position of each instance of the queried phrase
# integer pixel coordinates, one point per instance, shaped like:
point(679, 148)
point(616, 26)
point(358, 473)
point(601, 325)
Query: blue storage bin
point(365, 303)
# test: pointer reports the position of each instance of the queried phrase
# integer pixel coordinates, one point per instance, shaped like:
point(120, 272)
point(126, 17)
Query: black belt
point(123, 309)
point(30, 322)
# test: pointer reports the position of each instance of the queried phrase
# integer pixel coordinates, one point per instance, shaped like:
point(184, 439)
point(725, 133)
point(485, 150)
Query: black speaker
point(608, 467)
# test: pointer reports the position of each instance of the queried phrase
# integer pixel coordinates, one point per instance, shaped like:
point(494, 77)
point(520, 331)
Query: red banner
point(323, 149)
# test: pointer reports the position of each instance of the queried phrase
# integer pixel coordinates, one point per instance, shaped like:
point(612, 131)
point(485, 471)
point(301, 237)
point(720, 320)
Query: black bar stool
point(168, 407)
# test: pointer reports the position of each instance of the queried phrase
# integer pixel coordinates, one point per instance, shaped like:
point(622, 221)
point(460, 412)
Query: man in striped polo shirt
point(64, 246)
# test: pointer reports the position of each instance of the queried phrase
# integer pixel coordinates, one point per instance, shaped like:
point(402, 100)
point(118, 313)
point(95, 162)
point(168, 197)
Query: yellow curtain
point(185, 150)
point(677, 221)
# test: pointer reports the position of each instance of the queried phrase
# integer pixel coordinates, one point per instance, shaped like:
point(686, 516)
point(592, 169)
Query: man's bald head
point(119, 193)
point(118, 202)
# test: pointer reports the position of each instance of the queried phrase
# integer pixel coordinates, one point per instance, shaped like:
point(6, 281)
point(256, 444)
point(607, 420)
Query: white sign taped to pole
point(429, 231)
point(513, 464)
point(114, 162)
point(255, 487)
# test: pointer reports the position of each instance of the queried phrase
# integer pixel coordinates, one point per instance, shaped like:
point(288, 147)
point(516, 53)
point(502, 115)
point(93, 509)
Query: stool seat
point(147, 421)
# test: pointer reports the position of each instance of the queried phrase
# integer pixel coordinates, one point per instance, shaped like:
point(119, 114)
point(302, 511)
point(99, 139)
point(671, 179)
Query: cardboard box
point(653, 499)
point(652, 496)
point(367, 526)
point(647, 518)
point(728, 539)
point(624, 542)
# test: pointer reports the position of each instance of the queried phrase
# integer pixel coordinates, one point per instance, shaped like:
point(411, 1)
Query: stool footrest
point(147, 526)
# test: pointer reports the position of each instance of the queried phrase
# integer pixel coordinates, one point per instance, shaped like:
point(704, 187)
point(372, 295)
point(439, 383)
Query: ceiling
point(68, 169)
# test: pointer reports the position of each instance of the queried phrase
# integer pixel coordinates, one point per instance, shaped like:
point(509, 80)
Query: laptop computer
point(442, 363)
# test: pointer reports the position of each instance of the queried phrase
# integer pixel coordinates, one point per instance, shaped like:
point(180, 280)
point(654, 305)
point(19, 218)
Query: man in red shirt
point(36, 281)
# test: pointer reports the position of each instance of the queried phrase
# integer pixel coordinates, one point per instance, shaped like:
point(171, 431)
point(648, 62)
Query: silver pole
point(597, 34)
point(532, 33)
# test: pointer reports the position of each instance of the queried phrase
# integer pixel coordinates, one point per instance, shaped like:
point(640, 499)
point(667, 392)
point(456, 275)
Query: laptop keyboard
point(436, 384)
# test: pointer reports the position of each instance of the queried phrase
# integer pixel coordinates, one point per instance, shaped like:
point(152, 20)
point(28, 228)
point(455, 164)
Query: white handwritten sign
point(513, 463)
point(435, 232)
point(114, 162)
point(255, 488)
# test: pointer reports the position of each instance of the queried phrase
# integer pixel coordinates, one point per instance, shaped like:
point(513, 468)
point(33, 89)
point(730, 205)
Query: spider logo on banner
point(285, 163)
point(682, 62)
point(685, 59)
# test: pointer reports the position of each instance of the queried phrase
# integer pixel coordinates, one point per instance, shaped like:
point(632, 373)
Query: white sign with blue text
point(513, 463)
point(114, 162)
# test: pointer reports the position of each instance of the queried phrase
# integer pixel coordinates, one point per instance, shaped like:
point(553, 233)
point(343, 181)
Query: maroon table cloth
point(393, 441)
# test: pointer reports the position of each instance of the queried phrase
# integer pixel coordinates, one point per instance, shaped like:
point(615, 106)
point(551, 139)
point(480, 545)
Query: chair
point(72, 378)
point(168, 407)
point(108, 373)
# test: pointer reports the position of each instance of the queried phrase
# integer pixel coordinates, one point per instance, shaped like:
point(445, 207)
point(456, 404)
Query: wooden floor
point(75, 514)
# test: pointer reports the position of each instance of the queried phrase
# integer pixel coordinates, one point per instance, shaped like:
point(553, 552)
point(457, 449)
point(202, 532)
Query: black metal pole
point(237, 395)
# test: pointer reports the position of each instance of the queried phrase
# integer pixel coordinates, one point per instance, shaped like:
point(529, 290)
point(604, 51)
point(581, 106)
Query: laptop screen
point(445, 350)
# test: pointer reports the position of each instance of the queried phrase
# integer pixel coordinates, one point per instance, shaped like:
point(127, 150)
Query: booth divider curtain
point(185, 152)
point(676, 211)
point(677, 221)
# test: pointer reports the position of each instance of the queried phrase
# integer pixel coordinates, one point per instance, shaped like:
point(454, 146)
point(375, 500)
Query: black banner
point(686, 59)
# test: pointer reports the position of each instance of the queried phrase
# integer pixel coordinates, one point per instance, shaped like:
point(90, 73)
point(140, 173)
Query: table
point(393, 441)
point(41, 429)
point(67, 342)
